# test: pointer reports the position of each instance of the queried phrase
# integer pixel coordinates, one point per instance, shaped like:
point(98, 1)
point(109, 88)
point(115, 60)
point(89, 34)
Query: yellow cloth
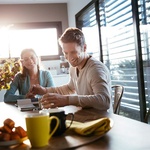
point(96, 127)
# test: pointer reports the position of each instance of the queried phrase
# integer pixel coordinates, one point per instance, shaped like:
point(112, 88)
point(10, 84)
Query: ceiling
point(31, 1)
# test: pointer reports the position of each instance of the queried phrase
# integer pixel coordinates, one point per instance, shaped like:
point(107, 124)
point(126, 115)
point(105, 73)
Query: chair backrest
point(147, 116)
point(117, 91)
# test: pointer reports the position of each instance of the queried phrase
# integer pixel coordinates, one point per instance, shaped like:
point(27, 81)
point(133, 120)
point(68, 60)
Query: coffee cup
point(38, 128)
point(62, 119)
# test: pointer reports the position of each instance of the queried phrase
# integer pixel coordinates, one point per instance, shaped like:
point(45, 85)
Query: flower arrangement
point(8, 69)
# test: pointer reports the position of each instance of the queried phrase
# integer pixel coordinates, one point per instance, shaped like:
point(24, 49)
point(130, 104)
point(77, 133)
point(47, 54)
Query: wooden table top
point(126, 134)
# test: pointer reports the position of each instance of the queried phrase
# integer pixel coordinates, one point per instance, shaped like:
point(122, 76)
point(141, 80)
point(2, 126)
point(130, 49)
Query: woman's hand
point(52, 100)
point(37, 89)
point(30, 95)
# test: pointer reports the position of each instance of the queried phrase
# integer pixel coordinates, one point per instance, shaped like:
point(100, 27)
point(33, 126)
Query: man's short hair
point(72, 35)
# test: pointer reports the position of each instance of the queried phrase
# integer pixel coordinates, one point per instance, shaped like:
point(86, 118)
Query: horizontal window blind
point(119, 50)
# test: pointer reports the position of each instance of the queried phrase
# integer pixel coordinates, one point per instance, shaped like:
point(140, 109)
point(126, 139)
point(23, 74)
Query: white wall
point(54, 66)
point(74, 6)
point(21, 13)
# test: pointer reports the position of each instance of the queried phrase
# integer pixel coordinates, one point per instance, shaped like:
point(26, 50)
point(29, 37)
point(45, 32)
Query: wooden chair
point(117, 91)
point(147, 116)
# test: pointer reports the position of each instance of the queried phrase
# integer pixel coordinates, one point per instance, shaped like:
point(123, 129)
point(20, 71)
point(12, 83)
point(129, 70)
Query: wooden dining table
point(125, 134)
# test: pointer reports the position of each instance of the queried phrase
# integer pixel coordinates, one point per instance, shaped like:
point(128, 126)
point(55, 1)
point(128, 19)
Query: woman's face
point(73, 53)
point(29, 60)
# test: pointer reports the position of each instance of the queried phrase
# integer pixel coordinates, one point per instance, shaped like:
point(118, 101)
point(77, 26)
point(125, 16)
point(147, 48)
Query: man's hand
point(52, 100)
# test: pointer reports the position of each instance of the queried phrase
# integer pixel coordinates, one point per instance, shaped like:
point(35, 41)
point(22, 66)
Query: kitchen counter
point(60, 79)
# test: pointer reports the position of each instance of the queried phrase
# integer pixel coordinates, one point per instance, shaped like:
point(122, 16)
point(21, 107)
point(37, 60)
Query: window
point(87, 22)
point(144, 24)
point(42, 37)
point(120, 47)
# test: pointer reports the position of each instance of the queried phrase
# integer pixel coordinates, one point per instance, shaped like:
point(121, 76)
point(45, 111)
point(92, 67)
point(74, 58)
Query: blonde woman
point(31, 74)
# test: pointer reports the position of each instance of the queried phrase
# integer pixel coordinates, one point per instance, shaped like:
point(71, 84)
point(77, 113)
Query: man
point(89, 85)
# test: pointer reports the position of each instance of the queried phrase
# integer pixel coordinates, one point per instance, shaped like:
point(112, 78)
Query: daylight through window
point(43, 40)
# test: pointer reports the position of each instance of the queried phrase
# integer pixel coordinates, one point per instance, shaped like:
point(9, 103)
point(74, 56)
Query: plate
point(13, 142)
point(72, 140)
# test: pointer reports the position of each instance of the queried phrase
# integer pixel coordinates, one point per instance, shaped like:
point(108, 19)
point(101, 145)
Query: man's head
point(72, 35)
point(73, 46)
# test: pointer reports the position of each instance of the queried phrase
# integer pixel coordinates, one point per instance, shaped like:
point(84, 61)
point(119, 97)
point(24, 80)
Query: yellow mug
point(38, 129)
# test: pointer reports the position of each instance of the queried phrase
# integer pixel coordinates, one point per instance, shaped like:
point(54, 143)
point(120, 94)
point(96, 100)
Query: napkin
point(95, 127)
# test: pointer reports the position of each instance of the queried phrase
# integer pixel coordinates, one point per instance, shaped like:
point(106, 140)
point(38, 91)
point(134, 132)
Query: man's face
point(73, 53)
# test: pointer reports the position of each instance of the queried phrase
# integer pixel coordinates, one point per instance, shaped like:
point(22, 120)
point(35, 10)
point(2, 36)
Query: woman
point(30, 75)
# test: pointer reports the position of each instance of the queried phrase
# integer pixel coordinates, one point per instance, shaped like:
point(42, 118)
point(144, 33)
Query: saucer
point(13, 142)
point(50, 110)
